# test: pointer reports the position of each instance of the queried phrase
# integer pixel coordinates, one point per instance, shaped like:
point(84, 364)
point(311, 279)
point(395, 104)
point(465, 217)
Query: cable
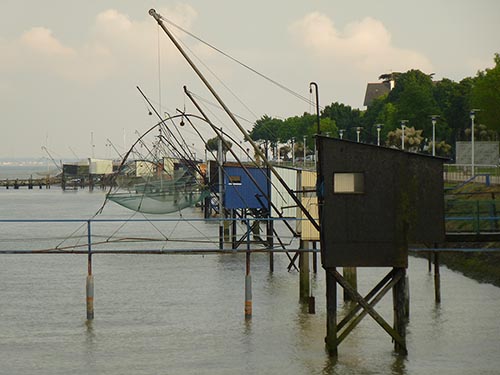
point(290, 91)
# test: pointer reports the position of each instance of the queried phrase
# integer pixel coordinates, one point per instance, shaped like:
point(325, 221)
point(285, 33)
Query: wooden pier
point(30, 183)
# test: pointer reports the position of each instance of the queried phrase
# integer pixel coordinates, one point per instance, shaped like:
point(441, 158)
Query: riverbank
point(483, 267)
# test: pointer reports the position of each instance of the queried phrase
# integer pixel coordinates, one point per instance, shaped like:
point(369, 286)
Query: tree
point(267, 129)
point(412, 141)
point(213, 145)
point(343, 117)
point(413, 96)
point(486, 95)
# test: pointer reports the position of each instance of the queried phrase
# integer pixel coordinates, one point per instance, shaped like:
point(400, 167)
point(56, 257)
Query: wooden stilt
point(304, 281)
point(233, 229)
point(90, 278)
point(437, 278)
point(270, 244)
point(350, 274)
point(90, 297)
point(315, 259)
point(407, 298)
point(399, 303)
point(331, 314)
point(248, 279)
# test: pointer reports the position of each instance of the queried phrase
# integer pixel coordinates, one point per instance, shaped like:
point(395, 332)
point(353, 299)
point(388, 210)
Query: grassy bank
point(480, 201)
point(483, 267)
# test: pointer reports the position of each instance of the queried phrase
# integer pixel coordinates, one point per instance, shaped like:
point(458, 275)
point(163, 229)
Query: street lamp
point(434, 119)
point(358, 131)
point(403, 126)
point(472, 117)
point(293, 151)
point(379, 127)
point(317, 103)
point(341, 133)
point(305, 148)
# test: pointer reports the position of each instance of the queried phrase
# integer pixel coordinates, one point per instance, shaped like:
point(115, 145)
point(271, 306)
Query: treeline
point(414, 98)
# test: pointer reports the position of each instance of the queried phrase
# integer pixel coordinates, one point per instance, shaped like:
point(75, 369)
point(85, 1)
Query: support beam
point(377, 297)
point(376, 316)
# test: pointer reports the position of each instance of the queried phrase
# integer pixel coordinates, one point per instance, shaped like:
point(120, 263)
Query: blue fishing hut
point(246, 187)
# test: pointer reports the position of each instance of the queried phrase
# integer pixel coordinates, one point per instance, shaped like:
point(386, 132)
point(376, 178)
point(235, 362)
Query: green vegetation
point(473, 208)
point(483, 267)
point(414, 98)
point(476, 201)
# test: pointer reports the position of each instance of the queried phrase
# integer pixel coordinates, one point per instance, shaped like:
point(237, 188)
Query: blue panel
point(243, 194)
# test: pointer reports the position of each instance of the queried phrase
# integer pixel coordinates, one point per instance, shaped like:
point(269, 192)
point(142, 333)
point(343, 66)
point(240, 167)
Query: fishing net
point(159, 174)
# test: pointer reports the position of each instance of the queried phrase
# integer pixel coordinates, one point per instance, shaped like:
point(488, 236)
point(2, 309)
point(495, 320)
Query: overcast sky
point(69, 69)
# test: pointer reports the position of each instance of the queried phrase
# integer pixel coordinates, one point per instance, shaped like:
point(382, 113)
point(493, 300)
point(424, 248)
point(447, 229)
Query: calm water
point(12, 169)
point(183, 314)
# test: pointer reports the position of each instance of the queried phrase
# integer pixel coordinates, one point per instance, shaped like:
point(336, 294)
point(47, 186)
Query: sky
point(69, 70)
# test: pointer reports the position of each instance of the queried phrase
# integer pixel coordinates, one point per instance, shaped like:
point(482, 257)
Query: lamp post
point(434, 119)
point(341, 133)
point(305, 148)
point(317, 103)
point(379, 127)
point(358, 132)
point(293, 150)
point(472, 118)
point(403, 126)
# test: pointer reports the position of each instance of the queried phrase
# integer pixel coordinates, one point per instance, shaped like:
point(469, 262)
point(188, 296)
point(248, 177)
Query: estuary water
point(184, 314)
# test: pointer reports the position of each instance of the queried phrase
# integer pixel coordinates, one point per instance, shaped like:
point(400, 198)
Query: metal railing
point(142, 236)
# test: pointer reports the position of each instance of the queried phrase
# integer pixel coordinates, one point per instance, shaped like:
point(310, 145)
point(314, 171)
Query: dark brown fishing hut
point(374, 201)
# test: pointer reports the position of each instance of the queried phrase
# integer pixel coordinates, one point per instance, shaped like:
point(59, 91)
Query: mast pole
point(158, 19)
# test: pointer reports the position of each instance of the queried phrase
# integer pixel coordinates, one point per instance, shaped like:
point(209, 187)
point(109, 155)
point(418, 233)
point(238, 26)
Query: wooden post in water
point(350, 274)
point(304, 284)
point(331, 313)
point(437, 278)
point(407, 298)
point(90, 277)
point(270, 244)
point(399, 303)
point(234, 231)
point(315, 258)
point(248, 278)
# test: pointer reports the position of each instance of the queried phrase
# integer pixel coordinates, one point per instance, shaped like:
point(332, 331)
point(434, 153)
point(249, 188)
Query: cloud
point(365, 45)
point(114, 45)
point(41, 40)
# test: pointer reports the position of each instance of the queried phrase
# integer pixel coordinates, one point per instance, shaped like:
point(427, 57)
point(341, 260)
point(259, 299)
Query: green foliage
point(343, 117)
point(415, 98)
point(213, 145)
point(486, 95)
point(267, 129)
point(282, 131)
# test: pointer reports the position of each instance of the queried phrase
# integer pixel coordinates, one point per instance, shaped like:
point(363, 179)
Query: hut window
point(234, 180)
point(353, 183)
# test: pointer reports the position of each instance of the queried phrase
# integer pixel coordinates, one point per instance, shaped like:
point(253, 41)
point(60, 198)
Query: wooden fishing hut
point(373, 202)
point(245, 194)
point(86, 173)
